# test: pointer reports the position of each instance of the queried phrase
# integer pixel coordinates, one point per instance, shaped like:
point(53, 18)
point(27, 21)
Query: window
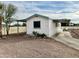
point(36, 24)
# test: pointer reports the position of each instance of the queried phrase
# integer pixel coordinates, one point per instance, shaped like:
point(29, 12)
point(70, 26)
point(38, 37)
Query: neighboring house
point(44, 24)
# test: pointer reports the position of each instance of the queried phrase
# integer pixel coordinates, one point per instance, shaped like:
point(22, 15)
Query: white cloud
point(66, 9)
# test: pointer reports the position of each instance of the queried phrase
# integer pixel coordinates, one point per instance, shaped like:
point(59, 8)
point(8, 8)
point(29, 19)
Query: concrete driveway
point(24, 46)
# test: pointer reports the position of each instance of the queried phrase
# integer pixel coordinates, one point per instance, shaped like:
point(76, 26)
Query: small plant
point(43, 35)
point(65, 29)
point(34, 33)
point(39, 34)
point(56, 34)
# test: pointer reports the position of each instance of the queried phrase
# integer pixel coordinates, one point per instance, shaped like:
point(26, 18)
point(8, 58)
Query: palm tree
point(9, 12)
point(1, 17)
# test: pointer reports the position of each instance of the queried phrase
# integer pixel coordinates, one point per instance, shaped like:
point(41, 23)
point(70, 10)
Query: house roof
point(55, 20)
point(36, 15)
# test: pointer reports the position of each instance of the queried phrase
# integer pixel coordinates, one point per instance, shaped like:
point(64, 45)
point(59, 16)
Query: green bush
point(39, 34)
point(35, 33)
point(56, 34)
point(65, 29)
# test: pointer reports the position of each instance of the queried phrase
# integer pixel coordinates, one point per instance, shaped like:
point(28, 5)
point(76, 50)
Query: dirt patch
point(75, 33)
point(21, 45)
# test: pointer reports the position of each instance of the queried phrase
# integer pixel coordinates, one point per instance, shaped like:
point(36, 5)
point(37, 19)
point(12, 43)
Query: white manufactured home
point(43, 24)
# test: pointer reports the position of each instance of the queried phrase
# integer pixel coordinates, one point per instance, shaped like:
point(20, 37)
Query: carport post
point(17, 27)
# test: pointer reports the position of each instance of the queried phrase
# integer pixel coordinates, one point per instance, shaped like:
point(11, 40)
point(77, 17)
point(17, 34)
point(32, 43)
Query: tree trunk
point(7, 32)
point(7, 29)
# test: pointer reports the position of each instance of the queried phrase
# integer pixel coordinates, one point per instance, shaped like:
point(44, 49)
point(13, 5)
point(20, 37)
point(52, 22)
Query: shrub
point(56, 34)
point(24, 24)
point(65, 29)
point(39, 34)
point(34, 33)
point(43, 35)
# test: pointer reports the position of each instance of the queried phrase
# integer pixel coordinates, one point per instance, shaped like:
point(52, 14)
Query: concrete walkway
point(67, 39)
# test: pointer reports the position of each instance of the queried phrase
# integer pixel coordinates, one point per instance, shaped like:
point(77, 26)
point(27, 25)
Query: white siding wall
point(52, 28)
point(44, 25)
point(48, 27)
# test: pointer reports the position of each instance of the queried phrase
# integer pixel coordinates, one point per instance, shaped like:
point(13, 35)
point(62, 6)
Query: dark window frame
point(36, 24)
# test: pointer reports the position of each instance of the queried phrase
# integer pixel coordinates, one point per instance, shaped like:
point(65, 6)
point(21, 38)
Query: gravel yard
point(75, 33)
point(26, 46)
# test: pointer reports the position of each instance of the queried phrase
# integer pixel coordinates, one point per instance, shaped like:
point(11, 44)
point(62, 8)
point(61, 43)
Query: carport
point(23, 20)
point(17, 21)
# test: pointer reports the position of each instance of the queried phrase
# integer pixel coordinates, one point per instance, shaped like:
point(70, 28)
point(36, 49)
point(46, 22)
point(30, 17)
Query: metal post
point(17, 27)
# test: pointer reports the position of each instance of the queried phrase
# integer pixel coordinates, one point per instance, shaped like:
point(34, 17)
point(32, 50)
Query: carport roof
point(62, 20)
point(22, 20)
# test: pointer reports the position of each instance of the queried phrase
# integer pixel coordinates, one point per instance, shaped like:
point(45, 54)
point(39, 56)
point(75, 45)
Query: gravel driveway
point(24, 46)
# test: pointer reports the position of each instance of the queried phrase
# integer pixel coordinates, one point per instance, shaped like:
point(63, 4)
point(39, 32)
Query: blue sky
point(53, 9)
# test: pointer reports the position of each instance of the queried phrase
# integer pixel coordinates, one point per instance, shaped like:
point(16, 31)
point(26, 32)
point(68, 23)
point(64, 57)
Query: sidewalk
point(67, 39)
